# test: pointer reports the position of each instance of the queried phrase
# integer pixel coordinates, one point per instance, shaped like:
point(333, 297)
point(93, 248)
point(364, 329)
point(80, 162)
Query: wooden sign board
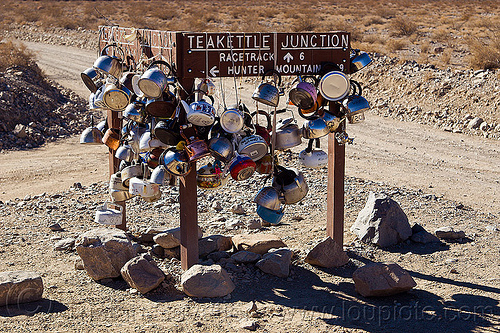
point(207, 54)
point(252, 54)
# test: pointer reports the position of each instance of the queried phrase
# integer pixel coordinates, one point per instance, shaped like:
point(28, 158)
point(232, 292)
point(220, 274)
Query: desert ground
point(440, 177)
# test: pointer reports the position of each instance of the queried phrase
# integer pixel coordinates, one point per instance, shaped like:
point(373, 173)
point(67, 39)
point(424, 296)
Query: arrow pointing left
point(214, 71)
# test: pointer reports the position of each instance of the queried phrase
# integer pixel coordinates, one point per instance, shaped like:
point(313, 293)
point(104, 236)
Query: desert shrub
point(403, 26)
point(395, 44)
point(441, 35)
point(424, 47)
point(305, 23)
point(446, 57)
point(484, 55)
point(12, 54)
point(371, 20)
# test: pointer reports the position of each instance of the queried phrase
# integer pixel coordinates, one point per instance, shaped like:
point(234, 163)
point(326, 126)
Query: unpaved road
point(458, 167)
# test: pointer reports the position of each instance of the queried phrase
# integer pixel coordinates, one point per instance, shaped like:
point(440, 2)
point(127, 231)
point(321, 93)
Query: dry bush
point(446, 57)
point(483, 55)
point(395, 44)
point(425, 46)
point(12, 54)
point(441, 35)
point(305, 22)
point(402, 26)
point(385, 12)
point(372, 20)
point(374, 39)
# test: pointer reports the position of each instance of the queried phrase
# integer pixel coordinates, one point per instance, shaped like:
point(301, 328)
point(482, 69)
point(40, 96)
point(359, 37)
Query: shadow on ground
point(30, 309)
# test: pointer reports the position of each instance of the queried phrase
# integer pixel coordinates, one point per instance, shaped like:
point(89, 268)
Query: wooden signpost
point(217, 55)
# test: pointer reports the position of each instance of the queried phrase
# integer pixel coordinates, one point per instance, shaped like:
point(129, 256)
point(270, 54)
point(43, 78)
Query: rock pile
point(459, 101)
point(34, 110)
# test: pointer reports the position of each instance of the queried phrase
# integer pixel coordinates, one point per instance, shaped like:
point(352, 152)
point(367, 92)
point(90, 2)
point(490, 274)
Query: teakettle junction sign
point(195, 55)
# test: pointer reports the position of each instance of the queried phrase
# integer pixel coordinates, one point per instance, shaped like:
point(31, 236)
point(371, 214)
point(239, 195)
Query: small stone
point(217, 206)
point(327, 253)
point(491, 228)
point(257, 243)
point(55, 227)
point(246, 257)
point(233, 224)
point(475, 123)
point(424, 237)
point(172, 253)
point(20, 287)
point(66, 244)
point(454, 271)
point(254, 224)
point(213, 243)
point(382, 279)
point(79, 264)
point(484, 126)
point(251, 307)
point(276, 262)
point(20, 131)
point(248, 324)
point(297, 218)
point(172, 238)
point(206, 281)
point(217, 256)
point(449, 233)
point(238, 209)
point(157, 250)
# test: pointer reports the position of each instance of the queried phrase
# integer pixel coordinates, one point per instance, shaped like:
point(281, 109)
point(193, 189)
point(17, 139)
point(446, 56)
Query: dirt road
point(458, 167)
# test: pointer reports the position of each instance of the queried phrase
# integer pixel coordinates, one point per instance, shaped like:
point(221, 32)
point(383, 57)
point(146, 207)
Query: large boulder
point(381, 222)
point(327, 253)
point(171, 238)
point(382, 279)
point(214, 243)
point(257, 243)
point(206, 281)
point(104, 251)
point(276, 262)
point(142, 273)
point(20, 287)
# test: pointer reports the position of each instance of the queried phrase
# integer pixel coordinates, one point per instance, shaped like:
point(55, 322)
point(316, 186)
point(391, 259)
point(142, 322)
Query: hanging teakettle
point(304, 94)
point(313, 158)
point(200, 112)
point(153, 81)
point(266, 92)
point(291, 183)
point(334, 86)
point(109, 65)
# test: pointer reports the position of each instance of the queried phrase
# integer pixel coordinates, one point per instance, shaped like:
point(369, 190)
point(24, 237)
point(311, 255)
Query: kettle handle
point(275, 73)
point(104, 49)
point(161, 62)
point(309, 148)
point(356, 88)
point(268, 118)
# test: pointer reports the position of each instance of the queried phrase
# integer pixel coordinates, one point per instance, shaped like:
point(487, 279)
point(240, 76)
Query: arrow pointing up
point(214, 71)
point(288, 57)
